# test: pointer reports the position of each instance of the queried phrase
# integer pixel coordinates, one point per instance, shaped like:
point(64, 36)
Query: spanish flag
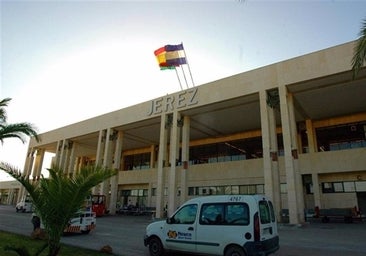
point(170, 56)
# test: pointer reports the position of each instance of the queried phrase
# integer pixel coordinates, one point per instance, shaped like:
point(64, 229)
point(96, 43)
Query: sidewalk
point(317, 238)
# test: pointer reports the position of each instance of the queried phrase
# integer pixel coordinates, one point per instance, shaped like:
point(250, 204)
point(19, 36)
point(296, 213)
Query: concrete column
point(62, 154)
point(274, 161)
point(77, 164)
point(312, 144)
point(185, 158)
point(161, 157)
point(114, 179)
point(66, 157)
point(166, 148)
point(38, 164)
point(149, 196)
point(10, 198)
point(71, 166)
point(293, 177)
point(28, 163)
point(99, 156)
point(174, 143)
point(266, 144)
point(100, 147)
point(295, 155)
point(316, 190)
point(28, 167)
point(107, 160)
point(152, 156)
point(58, 153)
point(270, 153)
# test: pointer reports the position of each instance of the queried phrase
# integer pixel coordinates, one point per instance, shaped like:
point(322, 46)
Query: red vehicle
point(98, 205)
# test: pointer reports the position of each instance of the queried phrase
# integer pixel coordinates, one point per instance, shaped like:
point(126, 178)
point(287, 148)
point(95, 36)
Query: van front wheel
point(155, 247)
point(235, 251)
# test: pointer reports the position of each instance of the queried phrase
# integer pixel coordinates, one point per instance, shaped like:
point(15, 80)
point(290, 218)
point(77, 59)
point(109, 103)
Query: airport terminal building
point(294, 131)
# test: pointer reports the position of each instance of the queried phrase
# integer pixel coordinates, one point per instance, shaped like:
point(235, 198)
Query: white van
point(83, 221)
point(228, 225)
point(25, 205)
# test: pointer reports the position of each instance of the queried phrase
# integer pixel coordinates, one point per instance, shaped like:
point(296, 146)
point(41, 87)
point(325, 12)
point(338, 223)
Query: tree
point(59, 197)
point(17, 130)
point(359, 55)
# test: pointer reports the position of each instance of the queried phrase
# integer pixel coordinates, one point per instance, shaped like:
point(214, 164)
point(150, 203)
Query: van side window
point(237, 214)
point(212, 214)
point(185, 215)
point(264, 212)
point(224, 214)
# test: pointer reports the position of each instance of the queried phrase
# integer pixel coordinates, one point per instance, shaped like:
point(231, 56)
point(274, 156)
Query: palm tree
point(17, 130)
point(59, 197)
point(359, 55)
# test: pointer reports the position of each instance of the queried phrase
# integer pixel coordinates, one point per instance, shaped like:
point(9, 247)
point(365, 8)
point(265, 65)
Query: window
point(137, 162)
point(234, 190)
point(338, 186)
point(283, 188)
point(153, 191)
point(264, 212)
point(260, 189)
point(227, 190)
point(342, 137)
point(185, 215)
point(212, 214)
point(349, 186)
point(224, 214)
point(237, 214)
point(226, 151)
point(309, 188)
point(344, 186)
point(271, 209)
point(360, 186)
point(252, 189)
point(327, 187)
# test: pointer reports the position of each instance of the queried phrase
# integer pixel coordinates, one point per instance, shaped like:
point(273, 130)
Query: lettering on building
point(171, 102)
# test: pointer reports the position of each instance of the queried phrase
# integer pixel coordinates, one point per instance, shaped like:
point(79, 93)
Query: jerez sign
point(171, 102)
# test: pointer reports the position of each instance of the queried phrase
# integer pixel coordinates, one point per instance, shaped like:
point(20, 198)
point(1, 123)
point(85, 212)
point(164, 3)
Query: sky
point(66, 61)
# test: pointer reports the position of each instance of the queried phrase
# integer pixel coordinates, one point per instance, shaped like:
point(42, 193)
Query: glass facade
point(347, 136)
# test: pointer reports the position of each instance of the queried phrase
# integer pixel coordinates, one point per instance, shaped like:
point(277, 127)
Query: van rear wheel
point(155, 247)
point(235, 250)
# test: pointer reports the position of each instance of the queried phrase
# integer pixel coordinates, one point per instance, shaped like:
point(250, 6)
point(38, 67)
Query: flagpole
point(189, 68)
point(184, 75)
point(180, 84)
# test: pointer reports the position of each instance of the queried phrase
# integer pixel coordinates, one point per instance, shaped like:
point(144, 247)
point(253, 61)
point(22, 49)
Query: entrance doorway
point(361, 200)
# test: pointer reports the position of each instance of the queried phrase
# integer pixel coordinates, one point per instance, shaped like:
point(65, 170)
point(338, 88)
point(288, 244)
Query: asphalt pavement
point(125, 235)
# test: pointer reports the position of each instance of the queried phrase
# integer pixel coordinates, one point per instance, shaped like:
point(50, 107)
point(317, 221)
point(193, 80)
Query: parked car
point(25, 205)
point(240, 225)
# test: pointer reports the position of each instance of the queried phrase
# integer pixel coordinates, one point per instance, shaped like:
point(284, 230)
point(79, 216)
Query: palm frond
point(18, 130)
point(3, 115)
point(59, 197)
point(18, 175)
point(359, 56)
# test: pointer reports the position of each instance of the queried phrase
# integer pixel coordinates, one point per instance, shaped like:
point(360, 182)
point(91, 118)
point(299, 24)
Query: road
point(125, 235)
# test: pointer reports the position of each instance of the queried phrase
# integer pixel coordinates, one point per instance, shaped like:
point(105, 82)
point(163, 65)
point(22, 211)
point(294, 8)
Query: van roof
point(227, 198)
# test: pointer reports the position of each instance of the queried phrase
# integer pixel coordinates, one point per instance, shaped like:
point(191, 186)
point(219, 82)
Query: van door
point(221, 224)
point(180, 230)
point(267, 219)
